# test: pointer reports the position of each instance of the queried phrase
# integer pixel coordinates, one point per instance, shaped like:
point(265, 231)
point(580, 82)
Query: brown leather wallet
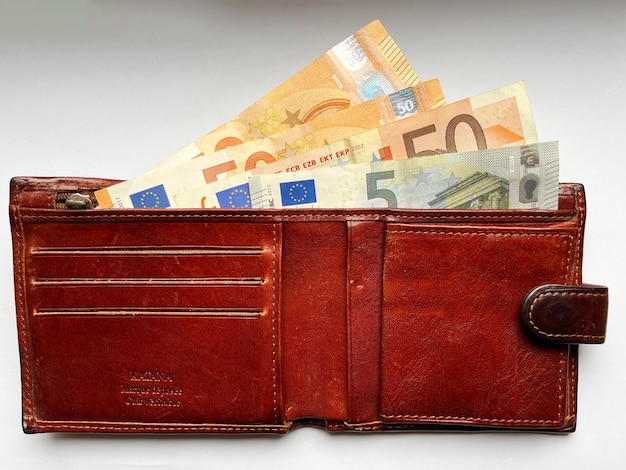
point(232, 321)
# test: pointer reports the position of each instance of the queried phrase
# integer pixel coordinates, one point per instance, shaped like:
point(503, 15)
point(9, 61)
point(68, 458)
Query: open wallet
point(260, 321)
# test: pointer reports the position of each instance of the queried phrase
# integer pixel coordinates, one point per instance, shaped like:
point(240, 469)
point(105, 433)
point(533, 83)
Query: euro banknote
point(497, 118)
point(519, 177)
point(367, 64)
point(500, 117)
point(301, 139)
point(493, 119)
point(327, 128)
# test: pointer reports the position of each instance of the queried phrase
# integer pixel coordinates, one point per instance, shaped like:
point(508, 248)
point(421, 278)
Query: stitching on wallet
point(561, 335)
point(481, 420)
point(580, 211)
point(366, 216)
point(483, 232)
point(572, 402)
point(27, 392)
point(562, 373)
point(156, 426)
point(274, 333)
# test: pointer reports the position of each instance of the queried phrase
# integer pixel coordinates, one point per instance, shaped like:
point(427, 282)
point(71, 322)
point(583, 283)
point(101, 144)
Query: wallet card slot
point(142, 267)
point(134, 296)
point(159, 312)
point(152, 251)
point(121, 281)
point(245, 264)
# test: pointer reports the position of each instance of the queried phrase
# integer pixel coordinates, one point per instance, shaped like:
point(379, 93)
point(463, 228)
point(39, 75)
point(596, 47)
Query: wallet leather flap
point(567, 314)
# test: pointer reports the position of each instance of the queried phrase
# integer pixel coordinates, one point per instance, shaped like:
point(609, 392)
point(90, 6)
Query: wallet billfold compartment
point(237, 321)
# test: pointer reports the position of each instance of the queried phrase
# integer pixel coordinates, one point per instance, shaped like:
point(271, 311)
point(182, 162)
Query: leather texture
point(237, 321)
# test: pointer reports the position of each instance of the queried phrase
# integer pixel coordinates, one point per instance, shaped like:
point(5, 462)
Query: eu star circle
point(152, 199)
point(298, 192)
point(239, 198)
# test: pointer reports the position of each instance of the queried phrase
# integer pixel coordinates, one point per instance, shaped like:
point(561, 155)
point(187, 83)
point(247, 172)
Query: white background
point(110, 88)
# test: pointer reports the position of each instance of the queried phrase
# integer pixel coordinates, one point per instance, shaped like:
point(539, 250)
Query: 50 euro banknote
point(206, 169)
point(520, 177)
point(367, 64)
point(496, 118)
point(326, 128)
point(493, 119)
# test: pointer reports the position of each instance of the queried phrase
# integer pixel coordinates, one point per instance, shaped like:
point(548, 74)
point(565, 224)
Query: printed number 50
point(373, 192)
point(451, 147)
